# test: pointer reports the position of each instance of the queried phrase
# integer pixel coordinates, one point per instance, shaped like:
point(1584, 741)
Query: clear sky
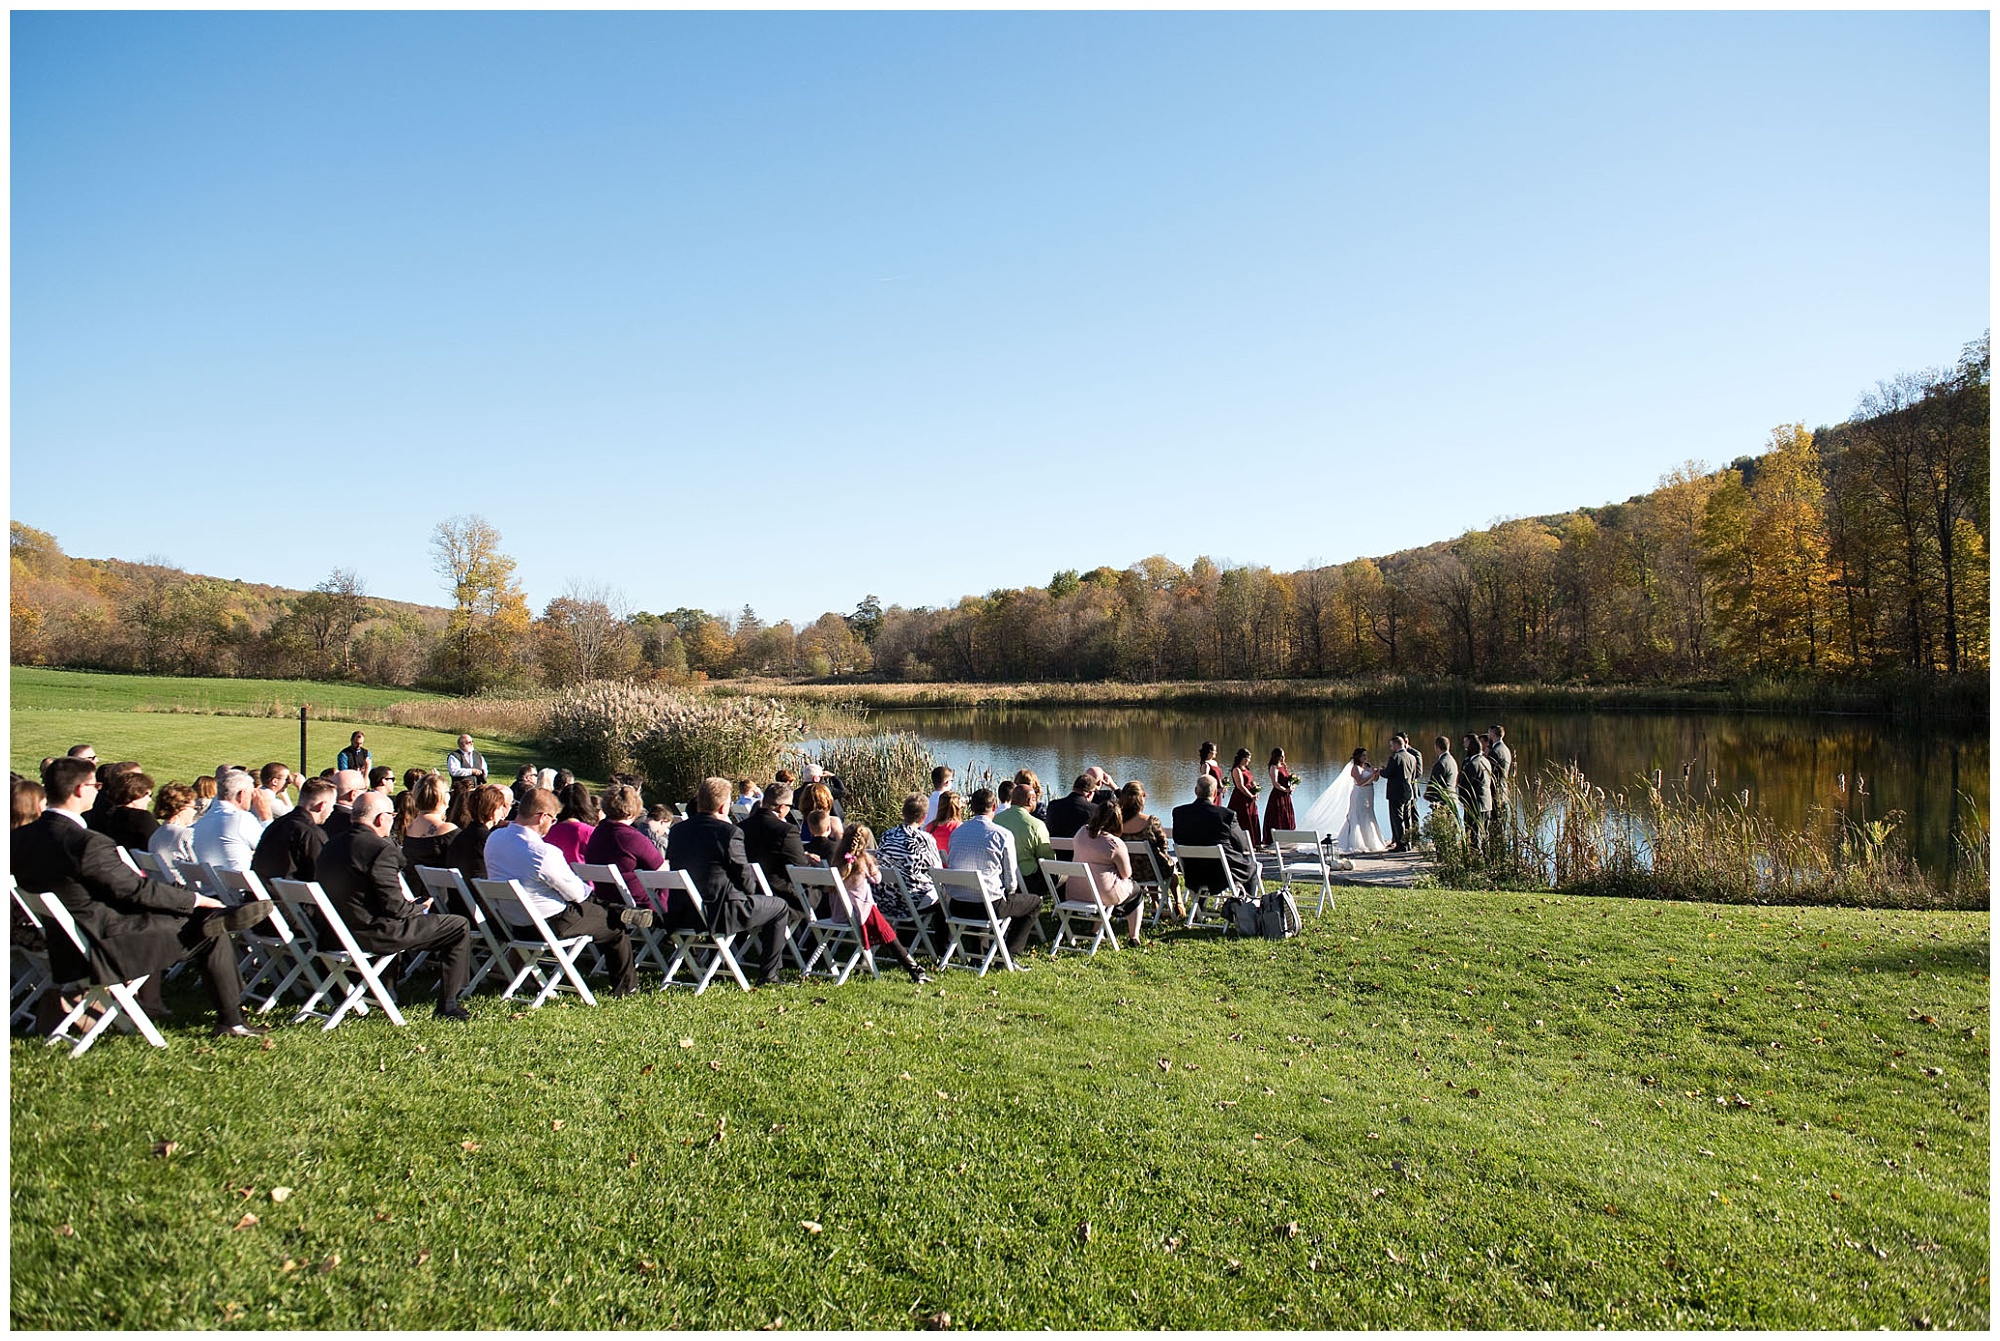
point(783, 309)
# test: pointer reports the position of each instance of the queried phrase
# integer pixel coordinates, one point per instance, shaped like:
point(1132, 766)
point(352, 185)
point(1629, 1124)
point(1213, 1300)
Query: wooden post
point(302, 742)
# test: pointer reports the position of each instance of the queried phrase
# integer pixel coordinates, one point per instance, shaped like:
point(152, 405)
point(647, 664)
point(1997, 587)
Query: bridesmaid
point(1278, 810)
point(1210, 769)
point(1243, 796)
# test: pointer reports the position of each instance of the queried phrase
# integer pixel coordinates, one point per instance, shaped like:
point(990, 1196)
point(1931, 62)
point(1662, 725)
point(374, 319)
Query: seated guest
point(614, 841)
point(773, 843)
point(361, 872)
point(521, 853)
point(381, 778)
point(427, 834)
point(290, 847)
point(660, 820)
point(941, 778)
point(821, 841)
point(816, 796)
point(1069, 813)
point(1040, 809)
point(911, 853)
point(272, 781)
point(579, 816)
point(710, 849)
point(106, 774)
point(980, 845)
point(204, 794)
point(817, 777)
point(458, 807)
point(125, 820)
point(1002, 795)
point(1031, 836)
point(1203, 823)
point(854, 865)
point(466, 852)
point(1102, 849)
point(135, 927)
point(348, 784)
point(949, 815)
point(30, 799)
point(226, 834)
point(173, 807)
point(748, 798)
point(1139, 827)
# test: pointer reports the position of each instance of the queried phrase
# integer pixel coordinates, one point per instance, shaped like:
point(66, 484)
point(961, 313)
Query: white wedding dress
point(1346, 809)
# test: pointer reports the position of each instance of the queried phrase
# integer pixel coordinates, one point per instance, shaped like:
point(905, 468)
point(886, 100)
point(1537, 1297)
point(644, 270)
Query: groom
point(1402, 769)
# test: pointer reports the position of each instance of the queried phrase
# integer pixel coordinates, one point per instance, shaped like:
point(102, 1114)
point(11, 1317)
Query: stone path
point(1380, 869)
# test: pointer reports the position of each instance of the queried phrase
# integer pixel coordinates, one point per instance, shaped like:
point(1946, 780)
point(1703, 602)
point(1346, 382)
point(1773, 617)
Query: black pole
point(302, 741)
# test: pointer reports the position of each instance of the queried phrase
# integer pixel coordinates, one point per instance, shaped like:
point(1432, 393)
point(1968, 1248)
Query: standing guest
point(949, 815)
point(272, 782)
point(466, 852)
point(126, 820)
point(1135, 825)
point(855, 866)
point(135, 927)
point(1243, 791)
point(1069, 813)
point(1203, 823)
point(1278, 810)
point(1207, 767)
point(980, 845)
point(520, 852)
point(226, 834)
point(361, 872)
point(1400, 772)
point(290, 847)
point(1101, 847)
point(173, 807)
point(912, 853)
point(465, 762)
point(614, 841)
point(1031, 836)
point(1502, 759)
point(710, 849)
point(348, 784)
point(30, 799)
point(774, 843)
point(572, 828)
point(1475, 790)
point(1443, 790)
point(941, 780)
point(356, 756)
point(427, 831)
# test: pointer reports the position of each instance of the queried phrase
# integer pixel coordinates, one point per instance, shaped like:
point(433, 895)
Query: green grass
point(1478, 1110)
point(37, 688)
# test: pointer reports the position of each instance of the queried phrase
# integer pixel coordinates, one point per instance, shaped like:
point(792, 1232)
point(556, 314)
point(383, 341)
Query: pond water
point(1793, 767)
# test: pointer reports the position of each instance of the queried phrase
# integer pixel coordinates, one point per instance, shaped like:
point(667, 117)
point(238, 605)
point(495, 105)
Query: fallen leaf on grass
point(1289, 1230)
point(645, 1265)
point(775, 1324)
point(1165, 1065)
point(1234, 1267)
point(66, 1231)
point(687, 1043)
point(1836, 1196)
point(632, 1160)
point(281, 1194)
point(381, 1217)
point(247, 1221)
point(332, 1261)
point(1611, 1210)
point(162, 1149)
point(423, 1256)
point(1704, 1150)
point(1399, 1261)
point(1472, 1093)
point(468, 1145)
point(1083, 1231)
point(1933, 1072)
point(811, 1226)
point(646, 1070)
point(942, 1095)
point(291, 1264)
point(1377, 1192)
point(1374, 1135)
point(906, 1076)
point(938, 1322)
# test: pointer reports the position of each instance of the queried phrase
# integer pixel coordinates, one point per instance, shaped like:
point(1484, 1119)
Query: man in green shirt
point(1031, 836)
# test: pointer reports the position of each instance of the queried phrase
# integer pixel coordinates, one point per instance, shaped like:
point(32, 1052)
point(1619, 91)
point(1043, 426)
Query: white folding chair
point(198, 877)
point(32, 977)
point(354, 972)
point(441, 883)
point(1065, 848)
point(1150, 874)
point(1070, 912)
point(153, 868)
point(701, 950)
point(991, 928)
point(648, 942)
point(913, 927)
point(760, 886)
point(117, 1003)
point(1198, 894)
point(268, 945)
point(1315, 865)
point(550, 959)
point(130, 859)
point(839, 941)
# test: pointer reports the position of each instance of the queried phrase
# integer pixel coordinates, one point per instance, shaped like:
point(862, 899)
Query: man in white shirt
point(272, 785)
point(519, 853)
point(466, 762)
point(978, 844)
point(941, 780)
point(226, 834)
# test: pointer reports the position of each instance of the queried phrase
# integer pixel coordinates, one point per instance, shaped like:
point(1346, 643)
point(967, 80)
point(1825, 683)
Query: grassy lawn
point(38, 687)
point(1434, 1109)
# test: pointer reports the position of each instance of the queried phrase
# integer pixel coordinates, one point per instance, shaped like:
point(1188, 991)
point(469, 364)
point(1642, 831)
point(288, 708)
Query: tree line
point(1855, 550)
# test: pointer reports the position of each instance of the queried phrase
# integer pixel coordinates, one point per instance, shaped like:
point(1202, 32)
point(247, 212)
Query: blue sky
point(783, 309)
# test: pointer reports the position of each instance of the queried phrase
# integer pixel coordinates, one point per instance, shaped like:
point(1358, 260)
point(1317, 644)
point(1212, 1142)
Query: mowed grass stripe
point(40, 687)
point(1478, 1110)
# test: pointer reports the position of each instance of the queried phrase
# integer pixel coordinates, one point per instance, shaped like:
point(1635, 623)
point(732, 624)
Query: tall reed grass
point(877, 771)
point(1562, 832)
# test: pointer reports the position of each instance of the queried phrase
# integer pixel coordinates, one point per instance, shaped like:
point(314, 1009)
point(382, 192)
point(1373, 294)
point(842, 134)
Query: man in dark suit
point(1400, 772)
point(773, 842)
point(710, 849)
point(135, 927)
point(1068, 814)
point(289, 849)
point(1443, 790)
point(360, 871)
point(1475, 790)
point(1203, 823)
point(347, 785)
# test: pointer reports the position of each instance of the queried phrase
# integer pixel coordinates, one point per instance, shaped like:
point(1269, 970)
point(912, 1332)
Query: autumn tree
point(486, 640)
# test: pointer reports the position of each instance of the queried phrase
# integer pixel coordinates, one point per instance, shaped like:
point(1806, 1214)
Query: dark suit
point(1443, 790)
point(1400, 773)
point(1205, 824)
point(1475, 795)
point(1068, 814)
point(125, 826)
point(710, 849)
point(339, 820)
point(773, 843)
point(136, 927)
point(359, 871)
point(289, 849)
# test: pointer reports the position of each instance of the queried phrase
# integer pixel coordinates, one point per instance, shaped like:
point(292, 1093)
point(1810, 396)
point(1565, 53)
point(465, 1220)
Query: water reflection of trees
point(1796, 769)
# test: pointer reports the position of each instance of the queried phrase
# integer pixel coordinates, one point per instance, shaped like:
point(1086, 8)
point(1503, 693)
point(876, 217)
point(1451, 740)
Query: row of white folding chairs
point(98, 1006)
point(1302, 856)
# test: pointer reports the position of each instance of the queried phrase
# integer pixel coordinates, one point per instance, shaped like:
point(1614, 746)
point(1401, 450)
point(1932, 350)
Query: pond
point(1798, 770)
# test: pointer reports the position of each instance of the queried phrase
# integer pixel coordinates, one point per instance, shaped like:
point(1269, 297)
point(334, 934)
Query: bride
point(1346, 809)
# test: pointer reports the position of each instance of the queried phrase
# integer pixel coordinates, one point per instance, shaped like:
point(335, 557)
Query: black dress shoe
point(241, 1030)
point(451, 1010)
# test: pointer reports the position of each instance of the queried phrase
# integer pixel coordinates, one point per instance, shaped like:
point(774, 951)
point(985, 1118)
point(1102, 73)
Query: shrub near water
point(878, 772)
point(671, 739)
point(592, 727)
